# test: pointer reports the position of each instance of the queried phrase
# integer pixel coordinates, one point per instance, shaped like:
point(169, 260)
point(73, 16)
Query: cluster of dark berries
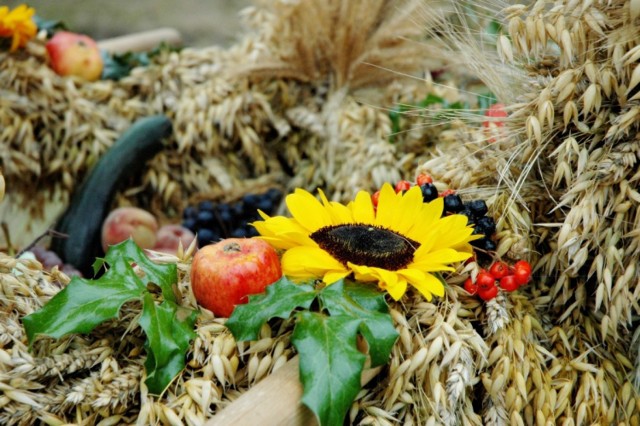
point(476, 213)
point(508, 278)
point(49, 259)
point(213, 221)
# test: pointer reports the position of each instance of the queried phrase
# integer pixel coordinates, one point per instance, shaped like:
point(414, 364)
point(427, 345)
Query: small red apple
point(170, 236)
point(129, 222)
point(224, 274)
point(75, 54)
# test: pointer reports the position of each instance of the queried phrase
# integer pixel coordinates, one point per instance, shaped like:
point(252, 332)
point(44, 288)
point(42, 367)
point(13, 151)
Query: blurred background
point(200, 22)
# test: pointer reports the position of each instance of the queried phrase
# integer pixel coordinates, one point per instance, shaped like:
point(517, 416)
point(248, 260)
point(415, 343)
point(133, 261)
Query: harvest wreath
point(555, 163)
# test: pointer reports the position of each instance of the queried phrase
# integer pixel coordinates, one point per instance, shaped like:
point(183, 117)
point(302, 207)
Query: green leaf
point(281, 298)
point(330, 364)
point(431, 99)
point(169, 329)
point(367, 304)
point(165, 276)
point(82, 304)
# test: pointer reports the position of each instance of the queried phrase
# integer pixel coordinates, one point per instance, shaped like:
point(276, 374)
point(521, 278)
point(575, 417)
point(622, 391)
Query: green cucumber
point(90, 205)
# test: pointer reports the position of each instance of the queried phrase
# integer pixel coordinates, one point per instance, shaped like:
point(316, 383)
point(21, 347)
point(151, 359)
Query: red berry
point(521, 276)
point(522, 264)
point(447, 192)
point(509, 283)
point(403, 185)
point(470, 286)
point(485, 280)
point(499, 269)
point(423, 178)
point(495, 111)
point(488, 294)
point(374, 198)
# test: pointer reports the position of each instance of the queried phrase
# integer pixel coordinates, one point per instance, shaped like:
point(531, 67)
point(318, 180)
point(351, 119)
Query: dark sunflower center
point(368, 245)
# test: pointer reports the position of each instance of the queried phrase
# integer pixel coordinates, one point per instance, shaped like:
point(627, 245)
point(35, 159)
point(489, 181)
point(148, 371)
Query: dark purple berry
point(429, 192)
point(453, 203)
point(206, 205)
point(189, 212)
point(487, 224)
point(477, 207)
point(470, 219)
point(190, 223)
point(207, 236)
point(205, 218)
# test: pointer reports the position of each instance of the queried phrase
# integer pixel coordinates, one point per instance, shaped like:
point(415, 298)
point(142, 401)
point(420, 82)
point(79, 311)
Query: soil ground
point(200, 22)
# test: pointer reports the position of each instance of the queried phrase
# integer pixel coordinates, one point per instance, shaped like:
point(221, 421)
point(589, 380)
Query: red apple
point(224, 274)
point(129, 222)
point(169, 237)
point(75, 54)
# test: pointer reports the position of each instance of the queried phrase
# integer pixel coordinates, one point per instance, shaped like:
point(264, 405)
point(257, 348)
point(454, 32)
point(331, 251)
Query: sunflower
point(402, 241)
point(17, 24)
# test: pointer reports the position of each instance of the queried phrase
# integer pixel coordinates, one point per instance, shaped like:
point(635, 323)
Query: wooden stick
point(275, 401)
point(140, 42)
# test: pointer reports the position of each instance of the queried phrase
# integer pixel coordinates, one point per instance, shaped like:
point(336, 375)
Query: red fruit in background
point(447, 192)
point(509, 283)
point(521, 276)
point(485, 280)
point(522, 264)
point(403, 185)
point(129, 222)
point(488, 293)
point(499, 269)
point(423, 178)
point(374, 198)
point(470, 286)
point(169, 237)
point(224, 274)
point(75, 54)
point(495, 111)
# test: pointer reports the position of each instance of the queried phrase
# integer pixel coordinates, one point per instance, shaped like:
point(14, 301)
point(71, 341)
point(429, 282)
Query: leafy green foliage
point(281, 298)
point(330, 363)
point(169, 329)
point(120, 65)
point(358, 301)
point(50, 26)
point(84, 304)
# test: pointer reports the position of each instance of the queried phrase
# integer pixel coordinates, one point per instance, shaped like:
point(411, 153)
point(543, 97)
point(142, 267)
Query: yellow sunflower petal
point(339, 213)
point(409, 208)
point(288, 231)
point(395, 285)
point(309, 262)
point(427, 284)
point(307, 210)
point(334, 276)
point(386, 206)
point(362, 208)
point(437, 260)
point(425, 224)
point(453, 231)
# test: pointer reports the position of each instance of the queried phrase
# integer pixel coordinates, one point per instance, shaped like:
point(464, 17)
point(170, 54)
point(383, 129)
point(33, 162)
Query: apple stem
point(232, 247)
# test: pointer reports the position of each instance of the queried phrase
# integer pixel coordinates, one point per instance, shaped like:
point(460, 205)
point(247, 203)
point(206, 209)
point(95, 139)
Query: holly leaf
point(280, 299)
point(83, 304)
point(169, 330)
point(164, 275)
point(330, 363)
point(366, 303)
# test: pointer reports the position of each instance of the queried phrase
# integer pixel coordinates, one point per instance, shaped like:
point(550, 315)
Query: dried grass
point(560, 177)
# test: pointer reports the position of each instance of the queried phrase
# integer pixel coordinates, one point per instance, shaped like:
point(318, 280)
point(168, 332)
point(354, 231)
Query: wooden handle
point(275, 401)
point(140, 42)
